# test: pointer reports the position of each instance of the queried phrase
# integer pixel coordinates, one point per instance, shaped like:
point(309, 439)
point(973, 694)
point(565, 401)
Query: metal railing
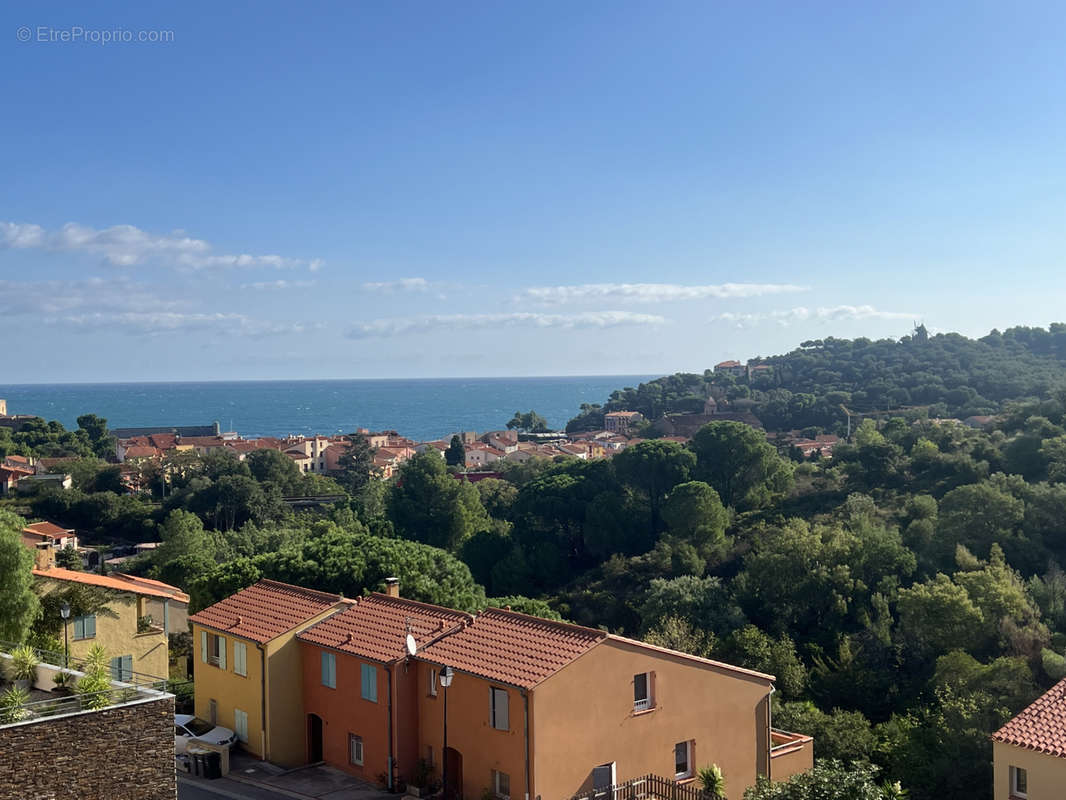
point(648, 787)
point(76, 702)
point(74, 664)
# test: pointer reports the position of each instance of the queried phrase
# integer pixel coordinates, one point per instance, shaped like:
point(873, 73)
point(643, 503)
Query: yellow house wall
point(117, 633)
point(584, 718)
point(229, 690)
point(1046, 774)
point(282, 736)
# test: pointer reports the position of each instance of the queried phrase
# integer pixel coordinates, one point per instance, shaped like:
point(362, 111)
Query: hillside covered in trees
point(936, 376)
point(907, 592)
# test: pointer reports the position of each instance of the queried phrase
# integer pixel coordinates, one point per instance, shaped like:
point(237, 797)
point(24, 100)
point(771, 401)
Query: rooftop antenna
point(409, 641)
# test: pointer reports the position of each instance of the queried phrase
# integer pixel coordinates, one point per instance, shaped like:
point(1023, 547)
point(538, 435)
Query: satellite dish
point(446, 677)
point(412, 646)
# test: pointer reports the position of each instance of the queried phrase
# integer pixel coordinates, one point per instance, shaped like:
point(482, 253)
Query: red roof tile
point(47, 529)
point(265, 610)
point(376, 627)
point(1041, 726)
point(513, 648)
point(121, 583)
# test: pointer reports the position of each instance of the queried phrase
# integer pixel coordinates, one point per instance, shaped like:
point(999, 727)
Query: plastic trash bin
point(212, 765)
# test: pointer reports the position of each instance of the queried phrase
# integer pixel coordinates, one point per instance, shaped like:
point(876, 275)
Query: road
point(224, 788)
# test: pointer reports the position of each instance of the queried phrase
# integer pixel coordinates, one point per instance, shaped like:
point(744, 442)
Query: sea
point(421, 409)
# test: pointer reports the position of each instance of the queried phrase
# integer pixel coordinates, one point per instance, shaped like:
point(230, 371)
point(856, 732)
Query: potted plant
point(64, 682)
point(24, 666)
point(95, 687)
point(12, 705)
point(421, 782)
point(713, 782)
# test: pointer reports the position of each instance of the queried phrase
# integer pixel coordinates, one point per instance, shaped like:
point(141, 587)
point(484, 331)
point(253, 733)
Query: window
point(683, 759)
point(498, 709)
point(240, 724)
point(85, 627)
point(433, 682)
point(240, 658)
point(369, 682)
point(501, 782)
point(1019, 782)
point(329, 670)
point(355, 749)
point(122, 668)
point(213, 649)
point(642, 699)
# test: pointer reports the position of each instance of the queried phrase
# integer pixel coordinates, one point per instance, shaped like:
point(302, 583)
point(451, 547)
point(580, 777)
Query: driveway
point(251, 779)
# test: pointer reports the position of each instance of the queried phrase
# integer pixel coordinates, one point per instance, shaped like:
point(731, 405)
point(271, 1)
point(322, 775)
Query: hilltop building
point(1029, 752)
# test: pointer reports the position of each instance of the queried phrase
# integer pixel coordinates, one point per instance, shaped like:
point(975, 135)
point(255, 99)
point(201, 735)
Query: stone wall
point(122, 753)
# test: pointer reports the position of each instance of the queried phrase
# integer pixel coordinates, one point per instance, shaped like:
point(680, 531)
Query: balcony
point(132, 744)
point(790, 753)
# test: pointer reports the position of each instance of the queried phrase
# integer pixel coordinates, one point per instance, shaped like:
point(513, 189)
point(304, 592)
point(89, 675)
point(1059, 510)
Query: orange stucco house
point(536, 708)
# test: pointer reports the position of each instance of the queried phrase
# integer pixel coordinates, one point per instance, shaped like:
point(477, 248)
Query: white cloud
point(589, 319)
point(29, 298)
point(652, 292)
point(800, 314)
point(400, 285)
point(158, 322)
point(278, 284)
point(126, 246)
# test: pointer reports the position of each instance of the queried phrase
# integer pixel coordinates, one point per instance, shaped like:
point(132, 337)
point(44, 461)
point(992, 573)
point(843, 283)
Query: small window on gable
point(1019, 783)
point(642, 691)
point(498, 709)
point(433, 682)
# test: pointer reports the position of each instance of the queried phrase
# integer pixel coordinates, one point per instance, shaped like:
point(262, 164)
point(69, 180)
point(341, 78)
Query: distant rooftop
point(181, 430)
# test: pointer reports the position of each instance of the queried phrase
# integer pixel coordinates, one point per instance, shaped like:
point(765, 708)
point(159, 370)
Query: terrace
point(77, 732)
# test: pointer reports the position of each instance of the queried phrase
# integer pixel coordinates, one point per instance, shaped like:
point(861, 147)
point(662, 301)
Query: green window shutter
point(79, 628)
point(221, 652)
point(369, 676)
point(90, 625)
point(203, 646)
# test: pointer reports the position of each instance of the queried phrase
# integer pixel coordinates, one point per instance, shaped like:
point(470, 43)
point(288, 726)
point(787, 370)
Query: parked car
point(189, 730)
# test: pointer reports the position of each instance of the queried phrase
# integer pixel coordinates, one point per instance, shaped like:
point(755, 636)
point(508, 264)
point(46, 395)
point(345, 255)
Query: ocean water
point(419, 408)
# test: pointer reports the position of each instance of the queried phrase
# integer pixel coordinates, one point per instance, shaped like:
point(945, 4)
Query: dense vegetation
point(907, 593)
point(943, 375)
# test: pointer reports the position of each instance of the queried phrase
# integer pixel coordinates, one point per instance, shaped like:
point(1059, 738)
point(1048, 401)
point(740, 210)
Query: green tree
point(976, 516)
point(356, 464)
point(428, 505)
point(100, 438)
point(828, 780)
point(740, 464)
point(186, 551)
point(938, 615)
point(530, 421)
point(694, 513)
point(272, 466)
point(653, 469)
point(455, 455)
point(69, 558)
point(18, 602)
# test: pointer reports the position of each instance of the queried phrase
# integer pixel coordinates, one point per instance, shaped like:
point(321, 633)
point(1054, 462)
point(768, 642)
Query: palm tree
point(713, 782)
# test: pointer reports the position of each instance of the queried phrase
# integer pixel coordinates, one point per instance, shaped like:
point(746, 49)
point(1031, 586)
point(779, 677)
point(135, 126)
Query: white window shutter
point(221, 652)
point(203, 646)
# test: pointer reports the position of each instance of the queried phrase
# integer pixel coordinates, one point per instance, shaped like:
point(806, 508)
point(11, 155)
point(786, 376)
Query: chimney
point(44, 557)
point(392, 587)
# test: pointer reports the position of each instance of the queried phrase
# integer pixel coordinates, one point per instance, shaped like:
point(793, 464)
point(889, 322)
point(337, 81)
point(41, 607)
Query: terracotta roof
point(265, 610)
point(513, 648)
point(47, 529)
point(1041, 726)
point(140, 451)
point(622, 414)
point(123, 583)
point(376, 627)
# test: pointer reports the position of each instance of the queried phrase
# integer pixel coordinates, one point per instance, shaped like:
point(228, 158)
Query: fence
point(649, 787)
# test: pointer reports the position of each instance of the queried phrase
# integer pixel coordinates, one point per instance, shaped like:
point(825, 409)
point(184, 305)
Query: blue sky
point(413, 189)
